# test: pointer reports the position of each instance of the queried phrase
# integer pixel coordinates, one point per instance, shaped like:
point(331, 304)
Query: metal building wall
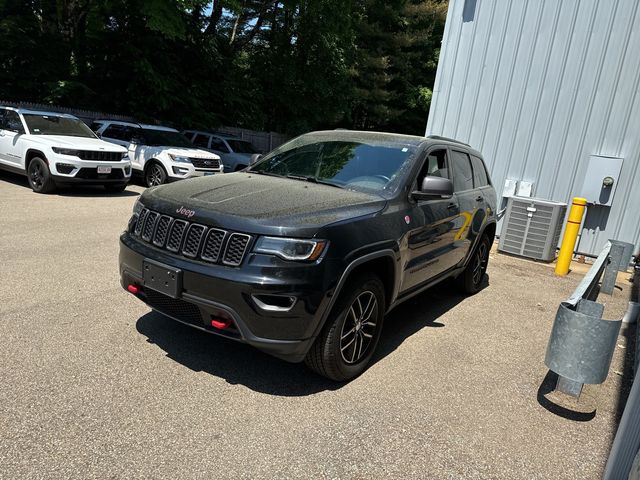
point(540, 85)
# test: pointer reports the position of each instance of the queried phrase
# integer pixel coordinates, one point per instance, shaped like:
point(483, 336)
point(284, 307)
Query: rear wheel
point(154, 175)
point(344, 348)
point(470, 281)
point(39, 176)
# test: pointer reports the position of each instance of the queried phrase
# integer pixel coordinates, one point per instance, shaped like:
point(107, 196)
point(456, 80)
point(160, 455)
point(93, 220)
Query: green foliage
point(290, 66)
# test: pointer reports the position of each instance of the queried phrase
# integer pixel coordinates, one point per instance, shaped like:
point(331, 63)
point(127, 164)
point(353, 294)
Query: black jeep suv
point(302, 254)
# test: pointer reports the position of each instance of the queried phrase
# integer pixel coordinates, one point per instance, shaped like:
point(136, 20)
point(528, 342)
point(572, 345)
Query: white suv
point(159, 154)
point(54, 149)
point(236, 153)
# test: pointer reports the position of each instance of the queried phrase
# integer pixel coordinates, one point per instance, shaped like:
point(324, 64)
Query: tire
point(349, 338)
point(154, 175)
point(471, 279)
point(39, 175)
point(115, 188)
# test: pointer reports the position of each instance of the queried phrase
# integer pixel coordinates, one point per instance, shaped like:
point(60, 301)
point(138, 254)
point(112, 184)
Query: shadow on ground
point(74, 191)
point(240, 364)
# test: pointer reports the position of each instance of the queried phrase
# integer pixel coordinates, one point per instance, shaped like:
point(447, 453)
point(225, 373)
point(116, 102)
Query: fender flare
point(389, 253)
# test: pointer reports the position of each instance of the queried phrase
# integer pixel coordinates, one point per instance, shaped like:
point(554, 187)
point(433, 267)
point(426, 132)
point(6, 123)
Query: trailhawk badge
point(186, 212)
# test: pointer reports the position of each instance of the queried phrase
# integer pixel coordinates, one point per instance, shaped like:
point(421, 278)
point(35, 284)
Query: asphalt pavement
point(95, 385)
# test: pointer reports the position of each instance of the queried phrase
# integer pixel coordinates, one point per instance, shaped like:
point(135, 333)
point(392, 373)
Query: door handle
point(479, 198)
point(452, 206)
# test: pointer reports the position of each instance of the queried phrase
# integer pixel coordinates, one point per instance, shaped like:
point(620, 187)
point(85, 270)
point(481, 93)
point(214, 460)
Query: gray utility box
point(532, 228)
point(601, 179)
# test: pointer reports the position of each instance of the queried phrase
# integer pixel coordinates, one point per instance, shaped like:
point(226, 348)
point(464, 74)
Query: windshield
point(238, 146)
point(165, 138)
point(347, 164)
point(55, 125)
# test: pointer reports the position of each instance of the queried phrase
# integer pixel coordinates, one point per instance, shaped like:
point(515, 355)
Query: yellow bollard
point(570, 235)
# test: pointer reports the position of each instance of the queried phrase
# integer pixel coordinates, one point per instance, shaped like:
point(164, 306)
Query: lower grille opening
point(192, 314)
point(175, 307)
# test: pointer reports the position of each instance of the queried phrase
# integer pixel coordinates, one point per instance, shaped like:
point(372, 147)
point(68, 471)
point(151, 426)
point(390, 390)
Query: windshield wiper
point(309, 178)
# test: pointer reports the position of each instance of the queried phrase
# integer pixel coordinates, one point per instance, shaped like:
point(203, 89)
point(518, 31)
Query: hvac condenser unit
point(532, 228)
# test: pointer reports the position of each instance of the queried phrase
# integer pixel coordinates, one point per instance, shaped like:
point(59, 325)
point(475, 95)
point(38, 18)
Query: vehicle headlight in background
point(291, 248)
point(65, 151)
point(180, 158)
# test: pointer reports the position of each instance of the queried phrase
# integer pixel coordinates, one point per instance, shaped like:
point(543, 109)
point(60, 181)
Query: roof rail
point(447, 139)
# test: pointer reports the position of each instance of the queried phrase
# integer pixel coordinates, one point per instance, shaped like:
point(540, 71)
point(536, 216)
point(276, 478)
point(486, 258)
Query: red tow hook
point(135, 289)
point(220, 323)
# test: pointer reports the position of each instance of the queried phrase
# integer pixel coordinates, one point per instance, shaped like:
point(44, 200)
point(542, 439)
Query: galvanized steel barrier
point(582, 343)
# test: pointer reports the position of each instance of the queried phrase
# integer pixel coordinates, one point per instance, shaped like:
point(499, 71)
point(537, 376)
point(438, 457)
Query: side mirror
point(254, 158)
point(434, 188)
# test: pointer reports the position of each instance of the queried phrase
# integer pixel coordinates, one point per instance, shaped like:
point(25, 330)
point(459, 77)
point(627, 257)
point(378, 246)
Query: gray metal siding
point(538, 87)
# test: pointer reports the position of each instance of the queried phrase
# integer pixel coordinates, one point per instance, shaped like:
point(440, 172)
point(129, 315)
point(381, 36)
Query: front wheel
point(347, 342)
point(39, 176)
point(154, 175)
point(470, 281)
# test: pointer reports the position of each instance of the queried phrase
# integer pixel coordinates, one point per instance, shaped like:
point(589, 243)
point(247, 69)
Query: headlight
point(125, 156)
point(65, 151)
point(180, 159)
point(291, 248)
point(137, 207)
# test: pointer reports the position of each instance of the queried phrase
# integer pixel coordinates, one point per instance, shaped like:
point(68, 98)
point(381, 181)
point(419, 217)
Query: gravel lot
point(95, 385)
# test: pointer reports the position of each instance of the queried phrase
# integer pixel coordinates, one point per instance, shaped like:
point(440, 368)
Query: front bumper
point(180, 171)
point(222, 292)
point(71, 170)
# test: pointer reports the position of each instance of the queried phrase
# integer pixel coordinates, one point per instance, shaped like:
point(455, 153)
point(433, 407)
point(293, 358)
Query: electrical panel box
point(525, 189)
point(601, 179)
point(532, 228)
point(510, 187)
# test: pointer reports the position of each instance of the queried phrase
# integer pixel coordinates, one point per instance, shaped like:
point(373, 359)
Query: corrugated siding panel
point(540, 86)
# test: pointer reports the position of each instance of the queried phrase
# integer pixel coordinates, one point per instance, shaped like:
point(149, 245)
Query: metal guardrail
point(581, 344)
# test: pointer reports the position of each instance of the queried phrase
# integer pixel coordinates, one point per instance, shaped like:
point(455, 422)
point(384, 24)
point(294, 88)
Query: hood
point(252, 203)
point(189, 152)
point(79, 143)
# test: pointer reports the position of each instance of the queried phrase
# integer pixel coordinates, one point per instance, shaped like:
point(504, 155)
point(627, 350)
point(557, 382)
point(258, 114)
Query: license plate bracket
point(162, 278)
point(104, 169)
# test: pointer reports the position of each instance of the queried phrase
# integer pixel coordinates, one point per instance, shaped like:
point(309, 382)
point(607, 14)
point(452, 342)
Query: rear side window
point(218, 145)
point(115, 131)
point(480, 178)
point(462, 171)
point(201, 140)
point(95, 126)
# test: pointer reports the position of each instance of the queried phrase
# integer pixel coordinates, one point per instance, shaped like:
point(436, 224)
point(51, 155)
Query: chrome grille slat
point(192, 240)
point(213, 245)
point(235, 249)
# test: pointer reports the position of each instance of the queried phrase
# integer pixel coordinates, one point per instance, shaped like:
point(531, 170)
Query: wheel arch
point(32, 153)
point(382, 263)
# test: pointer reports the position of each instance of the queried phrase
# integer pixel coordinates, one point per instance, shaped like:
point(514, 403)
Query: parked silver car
point(236, 154)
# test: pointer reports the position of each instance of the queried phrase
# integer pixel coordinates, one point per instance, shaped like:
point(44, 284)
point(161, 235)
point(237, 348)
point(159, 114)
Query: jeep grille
point(191, 240)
